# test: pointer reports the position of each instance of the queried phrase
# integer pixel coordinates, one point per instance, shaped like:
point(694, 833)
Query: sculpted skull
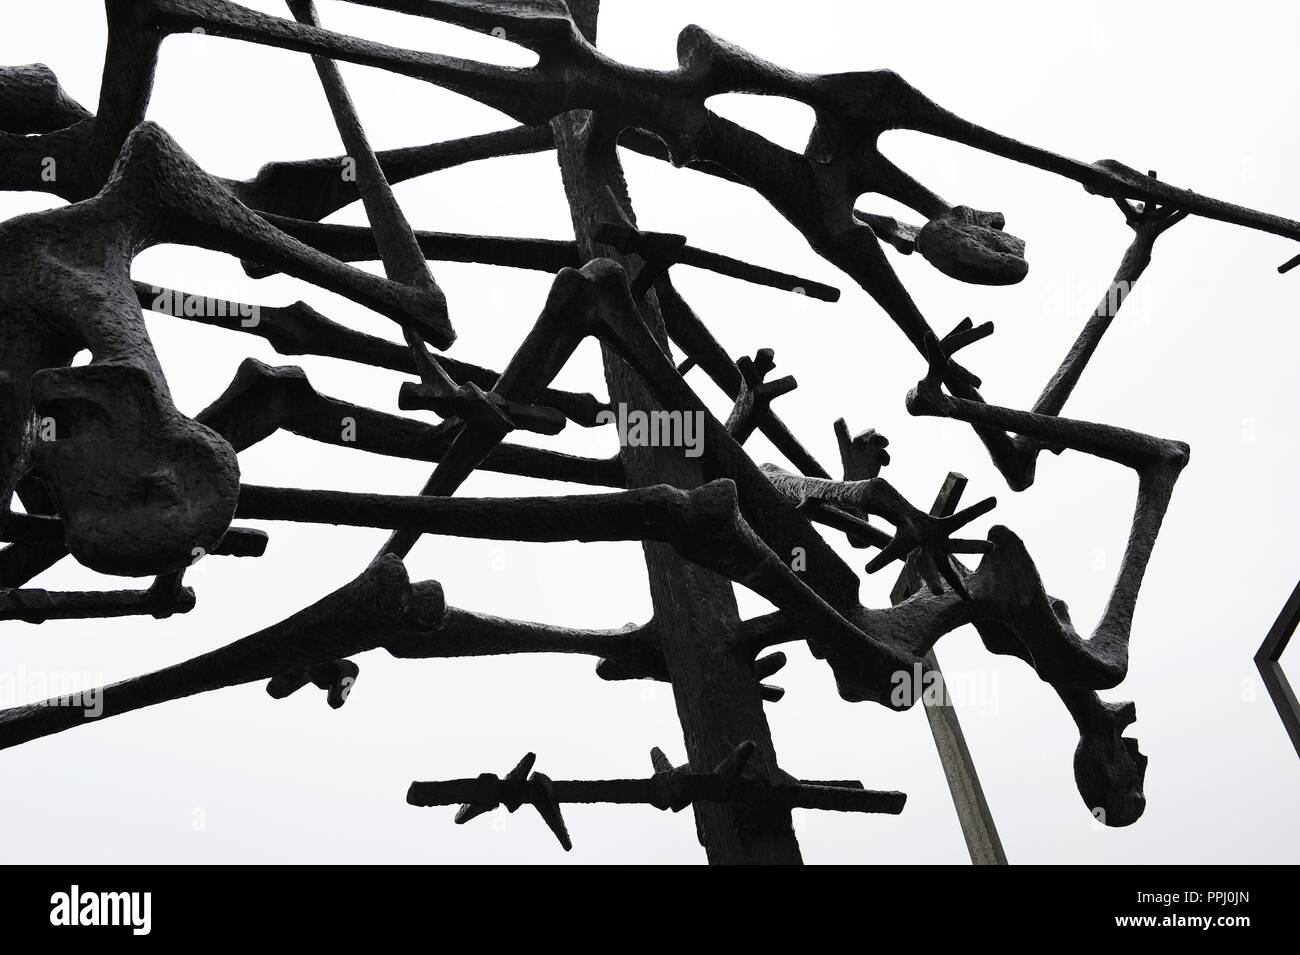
point(1108, 767)
point(138, 486)
point(970, 246)
point(142, 489)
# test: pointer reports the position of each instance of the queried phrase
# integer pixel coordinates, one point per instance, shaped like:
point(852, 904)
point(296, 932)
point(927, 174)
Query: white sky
point(1203, 352)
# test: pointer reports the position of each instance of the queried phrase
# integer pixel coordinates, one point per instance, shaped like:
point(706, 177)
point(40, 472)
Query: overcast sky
point(1203, 352)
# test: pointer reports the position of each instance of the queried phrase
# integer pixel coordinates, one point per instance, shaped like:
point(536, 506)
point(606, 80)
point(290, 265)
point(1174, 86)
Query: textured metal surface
point(107, 470)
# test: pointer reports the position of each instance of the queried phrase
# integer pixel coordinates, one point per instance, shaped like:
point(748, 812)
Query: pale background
point(1202, 92)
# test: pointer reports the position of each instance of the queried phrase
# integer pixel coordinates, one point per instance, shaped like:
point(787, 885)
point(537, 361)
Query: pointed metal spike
point(518, 774)
point(548, 808)
point(895, 550)
point(779, 387)
point(959, 338)
point(731, 767)
point(469, 811)
point(660, 762)
point(963, 517)
point(843, 439)
point(523, 768)
point(964, 325)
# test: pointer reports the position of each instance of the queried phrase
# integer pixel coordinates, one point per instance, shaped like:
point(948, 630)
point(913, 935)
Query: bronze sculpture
point(707, 523)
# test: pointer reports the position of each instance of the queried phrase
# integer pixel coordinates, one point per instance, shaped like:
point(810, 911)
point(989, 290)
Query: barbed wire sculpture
point(108, 470)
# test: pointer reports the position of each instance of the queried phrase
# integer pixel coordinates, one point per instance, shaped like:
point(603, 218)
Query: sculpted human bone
point(142, 488)
point(105, 464)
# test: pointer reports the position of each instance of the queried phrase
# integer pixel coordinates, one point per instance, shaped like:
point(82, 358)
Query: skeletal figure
point(114, 473)
point(141, 488)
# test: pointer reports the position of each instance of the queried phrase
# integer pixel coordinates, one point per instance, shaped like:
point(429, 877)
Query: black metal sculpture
point(1268, 662)
point(110, 472)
